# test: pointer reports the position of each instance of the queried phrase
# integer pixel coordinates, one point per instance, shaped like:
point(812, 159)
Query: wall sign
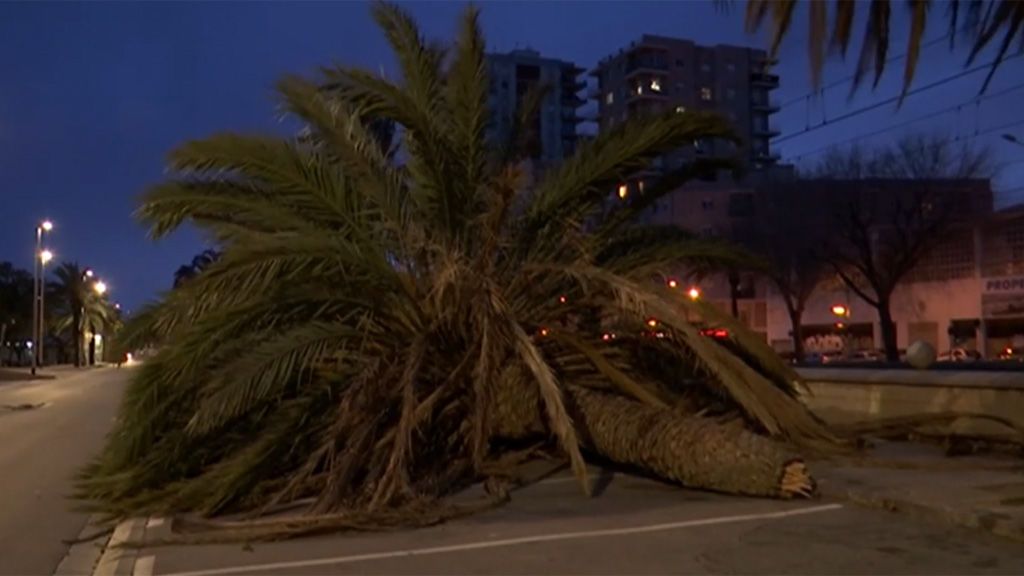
point(1008, 284)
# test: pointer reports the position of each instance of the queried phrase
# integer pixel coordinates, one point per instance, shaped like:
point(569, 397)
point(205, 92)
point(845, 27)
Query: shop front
point(1002, 325)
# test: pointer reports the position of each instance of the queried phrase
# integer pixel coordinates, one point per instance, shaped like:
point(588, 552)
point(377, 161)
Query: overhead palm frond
point(982, 21)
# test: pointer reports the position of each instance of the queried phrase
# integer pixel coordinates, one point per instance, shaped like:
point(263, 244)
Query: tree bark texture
point(692, 450)
point(888, 329)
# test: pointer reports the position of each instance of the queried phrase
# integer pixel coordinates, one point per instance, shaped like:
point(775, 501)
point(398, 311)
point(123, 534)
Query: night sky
point(93, 96)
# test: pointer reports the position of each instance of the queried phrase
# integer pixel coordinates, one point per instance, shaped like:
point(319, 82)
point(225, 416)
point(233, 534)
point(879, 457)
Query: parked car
point(867, 356)
point(824, 357)
point(1011, 354)
point(959, 355)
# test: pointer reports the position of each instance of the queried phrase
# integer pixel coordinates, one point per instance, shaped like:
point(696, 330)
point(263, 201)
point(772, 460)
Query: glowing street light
point(89, 273)
point(100, 287)
point(693, 293)
point(39, 260)
point(673, 284)
point(623, 191)
point(652, 322)
point(840, 310)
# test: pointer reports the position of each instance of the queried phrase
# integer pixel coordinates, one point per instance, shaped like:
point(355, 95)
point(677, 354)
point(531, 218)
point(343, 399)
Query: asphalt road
point(631, 526)
point(40, 450)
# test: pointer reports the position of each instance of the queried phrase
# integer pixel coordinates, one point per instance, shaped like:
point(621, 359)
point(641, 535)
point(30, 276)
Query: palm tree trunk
point(76, 333)
point(692, 450)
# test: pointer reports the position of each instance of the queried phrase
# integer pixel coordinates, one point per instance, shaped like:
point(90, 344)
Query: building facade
point(512, 76)
point(658, 73)
point(968, 291)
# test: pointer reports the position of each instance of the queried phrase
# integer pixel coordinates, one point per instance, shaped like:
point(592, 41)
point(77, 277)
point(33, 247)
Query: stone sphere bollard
point(920, 355)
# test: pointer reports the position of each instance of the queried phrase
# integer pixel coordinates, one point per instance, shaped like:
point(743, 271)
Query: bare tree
point(891, 206)
point(789, 233)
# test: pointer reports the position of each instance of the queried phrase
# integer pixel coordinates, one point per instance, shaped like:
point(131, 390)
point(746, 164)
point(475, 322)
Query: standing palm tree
point(984, 21)
point(79, 309)
point(383, 328)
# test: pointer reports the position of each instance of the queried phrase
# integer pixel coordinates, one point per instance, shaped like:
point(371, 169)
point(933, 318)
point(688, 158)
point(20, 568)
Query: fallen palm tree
point(397, 309)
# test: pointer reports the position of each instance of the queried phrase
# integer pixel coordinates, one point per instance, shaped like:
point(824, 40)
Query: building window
point(730, 94)
point(707, 204)
point(655, 85)
point(639, 88)
point(698, 145)
point(623, 191)
point(680, 109)
point(705, 94)
point(640, 185)
point(609, 98)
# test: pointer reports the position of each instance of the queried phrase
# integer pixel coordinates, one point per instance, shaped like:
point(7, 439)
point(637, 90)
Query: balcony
point(765, 79)
point(645, 67)
point(573, 85)
point(767, 105)
point(765, 130)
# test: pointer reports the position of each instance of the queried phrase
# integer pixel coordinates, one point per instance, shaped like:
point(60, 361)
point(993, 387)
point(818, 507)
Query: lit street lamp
point(100, 287)
point(39, 259)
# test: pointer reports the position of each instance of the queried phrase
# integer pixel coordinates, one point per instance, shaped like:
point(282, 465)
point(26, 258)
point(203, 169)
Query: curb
point(81, 558)
point(117, 560)
point(984, 520)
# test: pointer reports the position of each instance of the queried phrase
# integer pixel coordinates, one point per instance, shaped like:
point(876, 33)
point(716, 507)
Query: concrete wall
point(845, 396)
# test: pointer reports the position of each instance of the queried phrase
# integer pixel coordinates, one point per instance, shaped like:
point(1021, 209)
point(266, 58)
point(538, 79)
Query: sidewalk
point(982, 493)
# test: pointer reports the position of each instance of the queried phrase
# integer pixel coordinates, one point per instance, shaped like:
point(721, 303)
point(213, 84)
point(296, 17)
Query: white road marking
point(107, 565)
point(144, 566)
point(507, 542)
point(154, 522)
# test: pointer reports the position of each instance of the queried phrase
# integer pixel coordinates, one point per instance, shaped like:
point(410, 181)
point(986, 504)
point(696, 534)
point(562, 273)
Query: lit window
point(680, 109)
point(640, 185)
point(609, 98)
point(655, 85)
point(639, 88)
point(623, 190)
point(705, 94)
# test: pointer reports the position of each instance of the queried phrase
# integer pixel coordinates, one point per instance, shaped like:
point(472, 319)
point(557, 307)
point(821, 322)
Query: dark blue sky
point(93, 95)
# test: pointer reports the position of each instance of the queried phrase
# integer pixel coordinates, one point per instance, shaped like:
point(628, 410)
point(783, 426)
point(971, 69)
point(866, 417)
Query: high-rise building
point(512, 75)
point(657, 73)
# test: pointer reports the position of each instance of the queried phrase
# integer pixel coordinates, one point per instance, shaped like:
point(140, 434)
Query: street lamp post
point(37, 301)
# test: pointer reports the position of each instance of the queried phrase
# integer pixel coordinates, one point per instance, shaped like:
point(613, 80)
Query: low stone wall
point(847, 395)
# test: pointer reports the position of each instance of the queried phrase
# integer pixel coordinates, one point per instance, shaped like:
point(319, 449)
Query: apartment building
point(512, 75)
point(658, 73)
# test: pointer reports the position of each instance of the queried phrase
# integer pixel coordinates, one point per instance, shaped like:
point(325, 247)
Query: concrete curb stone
point(993, 521)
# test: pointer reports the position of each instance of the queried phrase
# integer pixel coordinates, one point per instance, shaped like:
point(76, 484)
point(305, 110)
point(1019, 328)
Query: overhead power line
point(906, 123)
point(844, 80)
point(879, 104)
